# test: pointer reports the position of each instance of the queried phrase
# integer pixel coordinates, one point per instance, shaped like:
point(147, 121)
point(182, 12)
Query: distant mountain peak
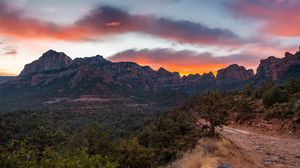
point(234, 72)
point(162, 70)
point(51, 51)
point(50, 60)
point(94, 60)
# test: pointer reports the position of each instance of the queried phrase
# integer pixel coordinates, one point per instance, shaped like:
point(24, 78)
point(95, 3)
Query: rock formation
point(234, 73)
point(276, 68)
point(54, 74)
point(51, 60)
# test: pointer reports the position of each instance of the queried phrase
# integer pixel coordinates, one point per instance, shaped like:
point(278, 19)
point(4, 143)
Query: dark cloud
point(107, 21)
point(180, 31)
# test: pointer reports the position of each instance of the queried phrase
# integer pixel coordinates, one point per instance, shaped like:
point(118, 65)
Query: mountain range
point(55, 78)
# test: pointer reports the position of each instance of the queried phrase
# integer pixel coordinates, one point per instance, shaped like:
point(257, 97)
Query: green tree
point(42, 139)
point(94, 139)
point(25, 157)
point(292, 86)
point(213, 109)
point(134, 155)
point(275, 95)
point(244, 109)
point(263, 88)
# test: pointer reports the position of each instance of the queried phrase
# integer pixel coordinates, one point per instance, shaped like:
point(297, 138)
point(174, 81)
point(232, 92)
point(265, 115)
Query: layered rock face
point(276, 68)
point(197, 78)
point(96, 75)
point(56, 75)
point(51, 60)
point(165, 77)
point(234, 73)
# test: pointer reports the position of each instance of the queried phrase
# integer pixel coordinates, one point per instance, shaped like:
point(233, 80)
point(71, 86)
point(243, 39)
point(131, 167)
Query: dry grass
point(209, 161)
point(207, 154)
point(223, 146)
point(213, 149)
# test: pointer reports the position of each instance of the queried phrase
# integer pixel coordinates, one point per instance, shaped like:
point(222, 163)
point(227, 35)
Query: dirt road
point(264, 150)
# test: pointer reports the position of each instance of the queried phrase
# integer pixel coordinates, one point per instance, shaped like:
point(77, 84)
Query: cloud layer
point(14, 23)
point(280, 17)
point(185, 61)
point(106, 21)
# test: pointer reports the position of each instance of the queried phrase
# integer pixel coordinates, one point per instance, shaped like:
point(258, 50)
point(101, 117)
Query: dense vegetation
point(68, 139)
point(55, 139)
point(267, 100)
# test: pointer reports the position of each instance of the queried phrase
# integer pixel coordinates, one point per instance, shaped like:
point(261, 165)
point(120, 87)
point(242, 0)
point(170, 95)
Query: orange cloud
point(185, 61)
point(280, 17)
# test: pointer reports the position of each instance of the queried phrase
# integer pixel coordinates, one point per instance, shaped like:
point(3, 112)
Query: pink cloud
point(280, 17)
point(108, 21)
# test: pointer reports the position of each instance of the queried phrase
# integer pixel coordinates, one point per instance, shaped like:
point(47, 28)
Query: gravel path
point(263, 150)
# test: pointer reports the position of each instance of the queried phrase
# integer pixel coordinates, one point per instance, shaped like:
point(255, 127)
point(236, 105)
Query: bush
point(280, 111)
point(244, 109)
point(167, 155)
point(275, 95)
point(134, 155)
point(25, 157)
point(171, 134)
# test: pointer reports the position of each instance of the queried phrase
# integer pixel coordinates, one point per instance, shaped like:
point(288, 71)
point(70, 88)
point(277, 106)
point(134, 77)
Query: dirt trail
point(264, 150)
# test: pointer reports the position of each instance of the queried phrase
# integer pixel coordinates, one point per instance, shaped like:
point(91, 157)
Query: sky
point(187, 36)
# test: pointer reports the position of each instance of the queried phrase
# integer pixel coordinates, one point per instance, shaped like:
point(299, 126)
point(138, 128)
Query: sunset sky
point(188, 36)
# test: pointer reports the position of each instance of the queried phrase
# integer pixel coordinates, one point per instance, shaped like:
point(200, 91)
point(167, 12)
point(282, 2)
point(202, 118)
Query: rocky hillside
point(55, 75)
point(51, 60)
point(279, 68)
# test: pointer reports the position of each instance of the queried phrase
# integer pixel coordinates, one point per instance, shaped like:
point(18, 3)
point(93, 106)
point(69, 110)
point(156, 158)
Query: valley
point(121, 114)
point(149, 84)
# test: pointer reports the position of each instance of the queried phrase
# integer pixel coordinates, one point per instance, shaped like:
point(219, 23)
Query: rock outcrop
point(197, 78)
point(51, 60)
point(165, 77)
point(234, 72)
point(275, 69)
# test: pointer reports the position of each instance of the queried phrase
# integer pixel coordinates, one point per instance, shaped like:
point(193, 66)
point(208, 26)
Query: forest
point(67, 139)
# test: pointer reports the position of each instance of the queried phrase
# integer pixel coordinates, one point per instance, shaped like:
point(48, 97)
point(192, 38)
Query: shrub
point(275, 95)
point(280, 111)
point(244, 109)
point(25, 157)
point(134, 155)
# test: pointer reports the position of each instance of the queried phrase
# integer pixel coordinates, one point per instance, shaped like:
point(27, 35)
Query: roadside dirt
point(263, 150)
point(283, 128)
